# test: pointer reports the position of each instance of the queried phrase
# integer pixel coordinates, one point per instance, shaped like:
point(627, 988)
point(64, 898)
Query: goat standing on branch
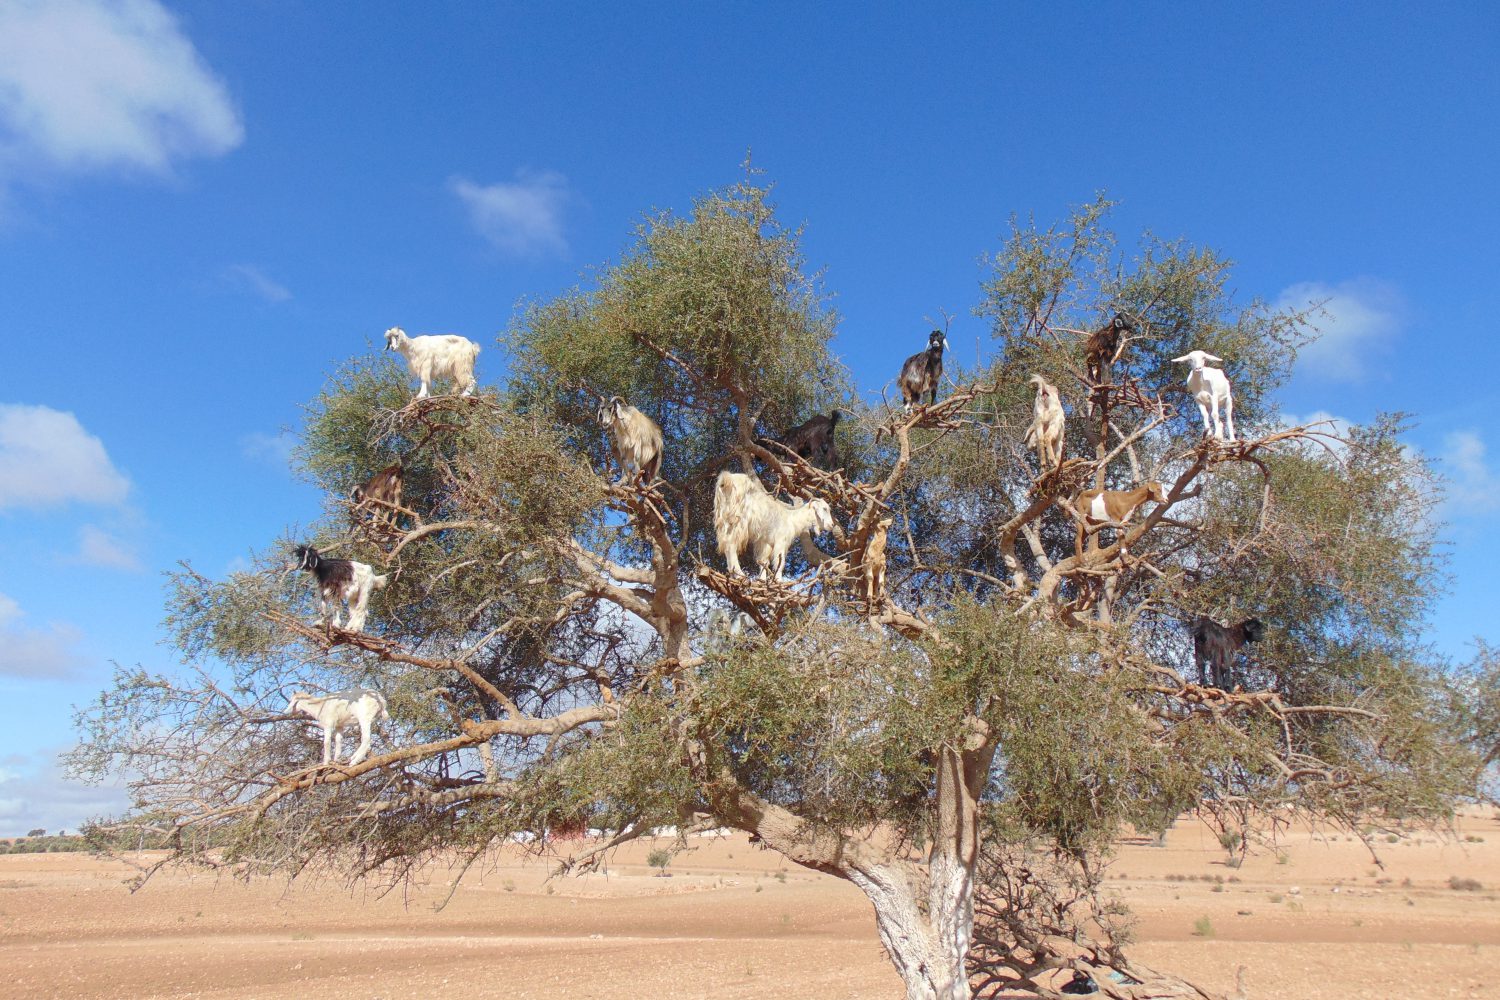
point(338, 580)
point(1215, 646)
point(1209, 387)
point(813, 440)
point(381, 493)
point(634, 439)
point(1104, 346)
point(333, 712)
point(922, 372)
point(874, 561)
point(1098, 508)
point(746, 515)
point(436, 356)
point(1046, 431)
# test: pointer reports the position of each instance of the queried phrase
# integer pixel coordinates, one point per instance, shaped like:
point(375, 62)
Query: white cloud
point(523, 218)
point(40, 794)
point(97, 547)
point(1473, 487)
point(47, 458)
point(47, 652)
point(1359, 318)
point(96, 84)
point(248, 277)
point(269, 449)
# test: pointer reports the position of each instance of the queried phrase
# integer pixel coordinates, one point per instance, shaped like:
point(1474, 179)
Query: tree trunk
point(927, 948)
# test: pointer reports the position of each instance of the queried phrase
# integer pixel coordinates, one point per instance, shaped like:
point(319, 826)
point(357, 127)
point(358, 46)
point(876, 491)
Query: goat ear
point(1185, 357)
point(1212, 357)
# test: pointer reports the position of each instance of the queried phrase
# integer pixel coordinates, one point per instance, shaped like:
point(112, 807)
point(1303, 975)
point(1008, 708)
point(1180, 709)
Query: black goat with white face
point(922, 372)
point(339, 580)
point(813, 440)
point(1104, 345)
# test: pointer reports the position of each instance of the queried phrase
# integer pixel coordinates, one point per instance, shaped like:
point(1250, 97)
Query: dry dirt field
point(734, 921)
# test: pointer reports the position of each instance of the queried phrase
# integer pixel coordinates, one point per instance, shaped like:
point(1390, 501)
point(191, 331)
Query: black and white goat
point(634, 439)
point(339, 580)
point(333, 712)
point(746, 515)
point(922, 372)
point(1215, 646)
point(813, 440)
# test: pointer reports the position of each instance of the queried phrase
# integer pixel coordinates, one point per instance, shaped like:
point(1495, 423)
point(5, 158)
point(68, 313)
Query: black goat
point(1215, 645)
point(1104, 345)
point(922, 372)
point(814, 441)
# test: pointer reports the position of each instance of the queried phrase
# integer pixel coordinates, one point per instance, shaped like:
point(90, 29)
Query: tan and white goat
point(1098, 508)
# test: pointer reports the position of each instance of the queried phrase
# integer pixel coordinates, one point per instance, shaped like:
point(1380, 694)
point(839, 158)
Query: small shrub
point(1203, 927)
point(1464, 884)
point(1231, 840)
point(1217, 887)
point(659, 859)
point(1277, 897)
point(781, 876)
point(1473, 839)
point(1393, 838)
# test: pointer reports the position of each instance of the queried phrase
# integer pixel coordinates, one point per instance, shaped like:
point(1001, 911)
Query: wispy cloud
point(47, 459)
point(522, 217)
point(1473, 487)
point(97, 547)
point(249, 278)
point(36, 792)
point(1358, 320)
point(274, 450)
point(49, 651)
point(99, 84)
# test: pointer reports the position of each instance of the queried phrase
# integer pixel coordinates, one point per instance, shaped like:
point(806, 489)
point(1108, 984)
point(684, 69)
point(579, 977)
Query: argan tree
point(960, 736)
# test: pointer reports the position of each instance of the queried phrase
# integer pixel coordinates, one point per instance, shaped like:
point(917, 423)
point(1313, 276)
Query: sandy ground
point(1320, 920)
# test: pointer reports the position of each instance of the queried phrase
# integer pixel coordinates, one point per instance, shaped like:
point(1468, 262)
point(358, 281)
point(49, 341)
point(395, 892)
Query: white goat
point(745, 514)
point(436, 356)
point(1046, 431)
point(634, 439)
point(333, 712)
point(1210, 388)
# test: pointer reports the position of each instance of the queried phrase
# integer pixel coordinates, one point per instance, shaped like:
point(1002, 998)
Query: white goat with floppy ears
point(333, 712)
point(1210, 389)
point(746, 515)
point(634, 439)
point(1046, 431)
point(436, 356)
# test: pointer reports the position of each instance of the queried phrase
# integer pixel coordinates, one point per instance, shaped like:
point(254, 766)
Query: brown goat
point(381, 492)
point(813, 440)
point(1104, 345)
point(1215, 645)
point(874, 561)
point(1101, 507)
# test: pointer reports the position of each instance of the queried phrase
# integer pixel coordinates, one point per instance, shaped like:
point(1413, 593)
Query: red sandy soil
point(1319, 920)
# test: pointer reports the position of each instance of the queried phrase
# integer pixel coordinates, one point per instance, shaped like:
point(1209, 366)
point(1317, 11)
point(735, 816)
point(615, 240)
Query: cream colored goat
point(1101, 507)
point(436, 356)
point(333, 712)
point(634, 439)
point(1047, 425)
point(746, 515)
point(874, 561)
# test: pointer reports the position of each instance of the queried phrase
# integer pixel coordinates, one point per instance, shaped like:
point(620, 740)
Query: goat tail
point(652, 467)
point(379, 582)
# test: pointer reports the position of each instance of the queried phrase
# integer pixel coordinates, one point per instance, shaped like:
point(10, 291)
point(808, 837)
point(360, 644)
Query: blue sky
point(204, 207)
